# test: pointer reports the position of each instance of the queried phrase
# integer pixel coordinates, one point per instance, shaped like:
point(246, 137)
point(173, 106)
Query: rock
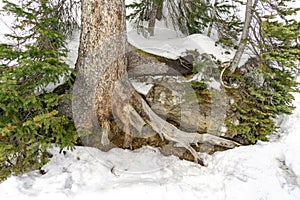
point(175, 100)
point(177, 103)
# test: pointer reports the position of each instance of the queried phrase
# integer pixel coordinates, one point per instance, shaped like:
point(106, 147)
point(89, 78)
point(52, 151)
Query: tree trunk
point(159, 13)
point(101, 62)
point(103, 97)
point(152, 19)
point(212, 20)
point(243, 42)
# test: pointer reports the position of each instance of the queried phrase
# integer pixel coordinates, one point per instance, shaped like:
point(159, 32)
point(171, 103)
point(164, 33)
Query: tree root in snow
point(134, 112)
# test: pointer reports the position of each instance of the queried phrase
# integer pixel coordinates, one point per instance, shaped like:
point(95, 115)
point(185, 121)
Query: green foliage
point(29, 121)
point(277, 61)
point(142, 11)
point(196, 14)
point(200, 94)
point(226, 22)
point(193, 16)
point(199, 85)
point(66, 12)
point(260, 105)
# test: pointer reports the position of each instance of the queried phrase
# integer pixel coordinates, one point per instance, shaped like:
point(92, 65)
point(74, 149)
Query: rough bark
point(101, 61)
point(103, 97)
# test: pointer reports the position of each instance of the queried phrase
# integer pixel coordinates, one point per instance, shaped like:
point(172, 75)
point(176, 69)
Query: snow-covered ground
point(266, 171)
point(269, 170)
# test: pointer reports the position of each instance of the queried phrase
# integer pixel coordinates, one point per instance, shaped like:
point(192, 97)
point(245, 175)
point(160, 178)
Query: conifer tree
point(189, 16)
point(223, 18)
point(146, 11)
point(195, 16)
point(275, 45)
point(32, 58)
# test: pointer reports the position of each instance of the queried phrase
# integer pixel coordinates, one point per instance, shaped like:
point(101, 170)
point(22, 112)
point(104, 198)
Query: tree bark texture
point(103, 97)
point(101, 62)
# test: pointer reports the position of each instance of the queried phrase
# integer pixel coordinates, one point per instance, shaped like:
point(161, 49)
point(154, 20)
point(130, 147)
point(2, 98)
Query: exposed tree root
point(225, 66)
point(139, 120)
point(102, 87)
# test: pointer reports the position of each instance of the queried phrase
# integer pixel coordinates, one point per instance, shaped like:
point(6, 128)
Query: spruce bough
point(33, 58)
point(277, 55)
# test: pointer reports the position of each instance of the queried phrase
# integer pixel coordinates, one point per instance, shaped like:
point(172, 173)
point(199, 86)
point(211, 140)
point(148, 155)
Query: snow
point(142, 88)
point(166, 43)
point(171, 44)
point(5, 21)
point(262, 171)
point(267, 170)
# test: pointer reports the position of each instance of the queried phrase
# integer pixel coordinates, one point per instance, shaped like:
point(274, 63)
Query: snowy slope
point(268, 170)
point(263, 171)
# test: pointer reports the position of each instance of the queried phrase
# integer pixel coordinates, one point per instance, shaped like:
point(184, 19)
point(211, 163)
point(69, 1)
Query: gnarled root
point(225, 66)
point(139, 120)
